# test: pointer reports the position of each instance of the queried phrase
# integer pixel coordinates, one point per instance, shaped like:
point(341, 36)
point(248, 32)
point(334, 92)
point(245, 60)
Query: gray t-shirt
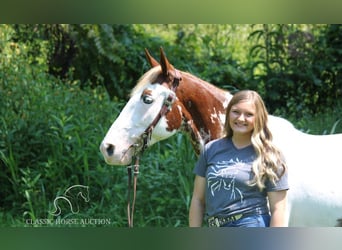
point(227, 170)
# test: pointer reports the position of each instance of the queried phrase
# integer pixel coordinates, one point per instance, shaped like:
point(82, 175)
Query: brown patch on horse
point(203, 108)
point(174, 118)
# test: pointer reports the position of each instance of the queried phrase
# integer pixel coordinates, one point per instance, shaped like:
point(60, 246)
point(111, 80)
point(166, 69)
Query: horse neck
point(204, 106)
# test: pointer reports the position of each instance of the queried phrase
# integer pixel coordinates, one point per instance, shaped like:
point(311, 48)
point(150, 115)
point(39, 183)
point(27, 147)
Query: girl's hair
point(269, 163)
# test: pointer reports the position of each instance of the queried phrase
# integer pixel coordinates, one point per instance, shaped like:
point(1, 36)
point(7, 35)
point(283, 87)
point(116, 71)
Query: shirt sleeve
point(281, 184)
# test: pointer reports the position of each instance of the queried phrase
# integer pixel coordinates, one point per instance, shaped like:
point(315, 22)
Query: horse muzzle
point(114, 155)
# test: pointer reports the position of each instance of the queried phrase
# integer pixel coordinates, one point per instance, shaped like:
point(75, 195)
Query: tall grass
point(50, 138)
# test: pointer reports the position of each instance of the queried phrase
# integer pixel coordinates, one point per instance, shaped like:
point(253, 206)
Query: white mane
point(147, 78)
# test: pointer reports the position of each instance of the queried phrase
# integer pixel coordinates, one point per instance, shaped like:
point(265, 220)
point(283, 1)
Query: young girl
point(241, 179)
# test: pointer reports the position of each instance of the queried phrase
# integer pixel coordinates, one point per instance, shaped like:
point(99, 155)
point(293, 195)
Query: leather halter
point(146, 136)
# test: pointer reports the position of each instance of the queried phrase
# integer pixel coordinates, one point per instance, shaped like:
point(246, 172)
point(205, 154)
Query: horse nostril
point(110, 149)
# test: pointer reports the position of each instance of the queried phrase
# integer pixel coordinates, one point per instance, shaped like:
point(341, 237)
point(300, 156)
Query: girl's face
point(242, 117)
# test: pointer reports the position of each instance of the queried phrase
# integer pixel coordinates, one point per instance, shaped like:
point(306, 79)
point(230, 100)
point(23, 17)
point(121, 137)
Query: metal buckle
point(216, 221)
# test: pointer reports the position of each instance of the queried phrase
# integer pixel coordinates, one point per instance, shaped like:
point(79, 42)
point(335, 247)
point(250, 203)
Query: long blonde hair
point(269, 163)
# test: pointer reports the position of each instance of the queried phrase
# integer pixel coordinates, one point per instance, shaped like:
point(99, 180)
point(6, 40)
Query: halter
point(145, 138)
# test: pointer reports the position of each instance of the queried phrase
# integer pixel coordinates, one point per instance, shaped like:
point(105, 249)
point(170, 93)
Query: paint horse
point(166, 100)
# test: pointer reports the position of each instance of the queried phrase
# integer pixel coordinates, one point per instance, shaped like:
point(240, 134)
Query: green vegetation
point(61, 87)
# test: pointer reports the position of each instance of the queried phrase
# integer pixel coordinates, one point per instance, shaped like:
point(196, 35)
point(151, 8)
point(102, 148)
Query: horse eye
point(147, 99)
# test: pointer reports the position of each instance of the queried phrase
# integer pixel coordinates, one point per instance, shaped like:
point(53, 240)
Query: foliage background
point(62, 85)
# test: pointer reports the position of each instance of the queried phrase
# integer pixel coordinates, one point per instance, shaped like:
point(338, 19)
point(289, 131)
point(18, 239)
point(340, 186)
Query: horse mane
point(145, 79)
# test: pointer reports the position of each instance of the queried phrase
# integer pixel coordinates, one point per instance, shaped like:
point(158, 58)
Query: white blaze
point(133, 120)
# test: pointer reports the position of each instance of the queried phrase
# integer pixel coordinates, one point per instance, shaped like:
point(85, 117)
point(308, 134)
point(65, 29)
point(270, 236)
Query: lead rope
point(146, 136)
point(130, 211)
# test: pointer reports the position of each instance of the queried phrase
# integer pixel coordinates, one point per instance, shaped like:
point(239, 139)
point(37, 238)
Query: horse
point(167, 100)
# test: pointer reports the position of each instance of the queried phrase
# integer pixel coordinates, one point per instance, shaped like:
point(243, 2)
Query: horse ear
point(166, 66)
point(153, 62)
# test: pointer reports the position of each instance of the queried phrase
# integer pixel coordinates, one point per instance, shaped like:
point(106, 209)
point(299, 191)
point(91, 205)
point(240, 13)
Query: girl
point(241, 179)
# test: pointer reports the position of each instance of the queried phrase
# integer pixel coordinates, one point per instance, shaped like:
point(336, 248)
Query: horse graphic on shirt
point(223, 176)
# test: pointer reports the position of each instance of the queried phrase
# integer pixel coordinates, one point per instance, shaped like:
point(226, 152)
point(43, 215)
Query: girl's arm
point(278, 207)
point(197, 206)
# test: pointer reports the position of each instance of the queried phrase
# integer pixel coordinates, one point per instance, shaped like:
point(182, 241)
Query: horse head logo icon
point(71, 196)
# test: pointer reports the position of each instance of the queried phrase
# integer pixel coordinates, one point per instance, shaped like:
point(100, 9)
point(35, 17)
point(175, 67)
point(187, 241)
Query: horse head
point(151, 114)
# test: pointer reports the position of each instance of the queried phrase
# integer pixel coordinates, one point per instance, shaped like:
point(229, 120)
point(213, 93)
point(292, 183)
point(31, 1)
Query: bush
point(296, 68)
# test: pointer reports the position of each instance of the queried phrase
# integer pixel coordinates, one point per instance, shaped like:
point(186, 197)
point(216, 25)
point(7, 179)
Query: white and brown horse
point(167, 100)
